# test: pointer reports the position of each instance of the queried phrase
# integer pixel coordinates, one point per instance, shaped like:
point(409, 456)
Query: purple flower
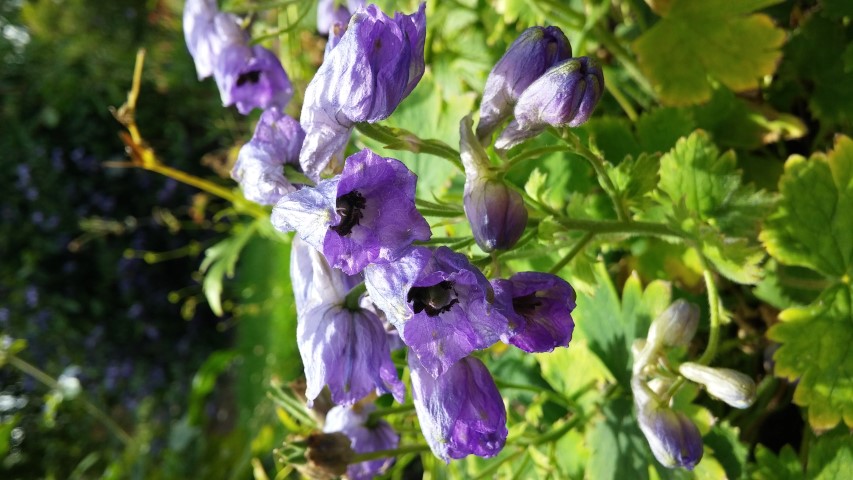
point(565, 95)
point(365, 436)
point(377, 63)
point(207, 31)
point(365, 215)
point(251, 77)
point(534, 51)
point(461, 412)
point(248, 76)
point(440, 304)
point(345, 349)
point(539, 309)
point(259, 167)
point(674, 439)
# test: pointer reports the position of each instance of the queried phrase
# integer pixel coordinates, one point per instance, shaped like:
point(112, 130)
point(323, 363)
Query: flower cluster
point(674, 439)
point(364, 282)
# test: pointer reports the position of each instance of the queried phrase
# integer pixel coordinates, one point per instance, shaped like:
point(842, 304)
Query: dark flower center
point(433, 300)
point(349, 207)
point(249, 77)
point(526, 305)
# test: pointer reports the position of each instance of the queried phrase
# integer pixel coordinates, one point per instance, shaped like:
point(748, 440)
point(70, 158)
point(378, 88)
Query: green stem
point(353, 296)
point(91, 409)
point(429, 212)
point(382, 412)
point(532, 154)
point(618, 226)
point(714, 309)
point(576, 249)
point(558, 432)
point(622, 100)
point(249, 207)
point(394, 452)
point(600, 170)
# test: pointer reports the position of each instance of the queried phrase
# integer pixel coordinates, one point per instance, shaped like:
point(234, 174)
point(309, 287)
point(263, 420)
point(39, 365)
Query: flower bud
point(676, 326)
point(730, 386)
point(565, 95)
point(674, 439)
point(496, 212)
point(534, 51)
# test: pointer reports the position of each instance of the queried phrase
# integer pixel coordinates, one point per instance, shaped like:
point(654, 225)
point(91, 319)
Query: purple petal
point(539, 308)
point(309, 211)
point(207, 31)
point(461, 412)
point(251, 77)
point(389, 283)
point(363, 79)
point(258, 169)
point(347, 351)
point(379, 219)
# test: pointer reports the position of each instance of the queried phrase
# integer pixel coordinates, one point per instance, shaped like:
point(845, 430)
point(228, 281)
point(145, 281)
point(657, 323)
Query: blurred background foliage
point(100, 263)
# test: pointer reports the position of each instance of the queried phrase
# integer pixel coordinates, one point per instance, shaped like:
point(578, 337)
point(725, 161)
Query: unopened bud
point(676, 326)
point(730, 386)
point(674, 439)
point(565, 95)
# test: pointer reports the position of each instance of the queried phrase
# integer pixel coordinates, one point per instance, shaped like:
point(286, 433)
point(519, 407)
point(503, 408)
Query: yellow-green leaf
point(709, 39)
point(817, 350)
point(813, 224)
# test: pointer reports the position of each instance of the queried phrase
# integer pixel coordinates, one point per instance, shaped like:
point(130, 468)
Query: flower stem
point(716, 320)
point(618, 226)
point(598, 164)
point(576, 249)
point(364, 457)
point(533, 153)
point(353, 296)
point(91, 409)
point(381, 412)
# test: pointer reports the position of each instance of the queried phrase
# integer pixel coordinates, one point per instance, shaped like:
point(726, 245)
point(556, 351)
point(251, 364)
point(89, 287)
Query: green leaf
point(586, 369)
point(724, 443)
point(613, 137)
point(813, 225)
point(770, 467)
point(618, 448)
point(817, 350)
point(659, 129)
point(634, 178)
point(831, 456)
point(611, 325)
point(432, 113)
point(219, 262)
point(705, 198)
point(715, 39)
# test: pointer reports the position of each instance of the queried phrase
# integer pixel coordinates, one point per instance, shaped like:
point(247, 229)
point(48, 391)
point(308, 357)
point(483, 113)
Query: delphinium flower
point(534, 51)
point(674, 440)
point(260, 164)
point(539, 309)
point(367, 435)
point(366, 214)
point(248, 76)
point(460, 412)
point(343, 346)
point(377, 63)
point(496, 212)
point(565, 95)
point(440, 304)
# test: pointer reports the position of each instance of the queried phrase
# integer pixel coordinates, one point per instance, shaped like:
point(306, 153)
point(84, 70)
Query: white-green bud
point(676, 326)
point(730, 386)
